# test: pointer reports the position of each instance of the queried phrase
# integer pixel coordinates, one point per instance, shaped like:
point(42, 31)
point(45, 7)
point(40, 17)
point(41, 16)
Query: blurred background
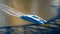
point(41, 8)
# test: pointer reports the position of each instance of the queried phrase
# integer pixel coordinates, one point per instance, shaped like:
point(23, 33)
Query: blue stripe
point(31, 20)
